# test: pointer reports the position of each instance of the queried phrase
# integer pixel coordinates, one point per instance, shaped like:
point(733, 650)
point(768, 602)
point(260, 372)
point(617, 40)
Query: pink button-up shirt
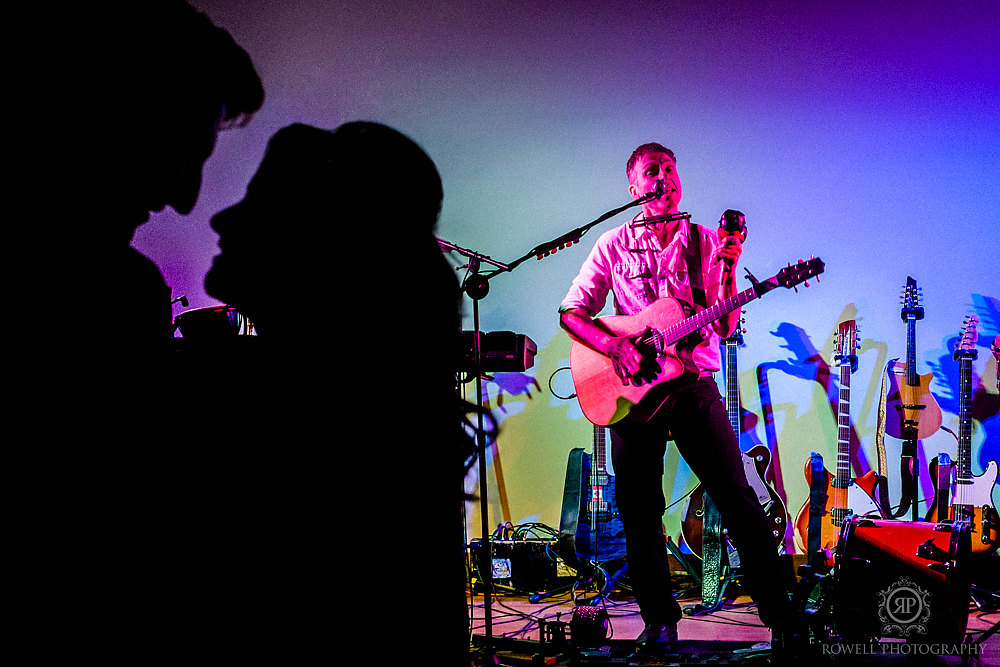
point(629, 263)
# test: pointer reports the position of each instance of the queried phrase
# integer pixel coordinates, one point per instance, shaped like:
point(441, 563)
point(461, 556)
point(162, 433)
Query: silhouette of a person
point(112, 110)
point(331, 254)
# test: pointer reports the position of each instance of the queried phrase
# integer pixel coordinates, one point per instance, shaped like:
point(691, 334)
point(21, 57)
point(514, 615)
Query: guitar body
point(603, 397)
point(908, 406)
point(860, 501)
point(973, 503)
point(756, 461)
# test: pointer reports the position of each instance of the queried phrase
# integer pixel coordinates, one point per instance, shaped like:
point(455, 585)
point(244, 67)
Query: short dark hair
point(645, 149)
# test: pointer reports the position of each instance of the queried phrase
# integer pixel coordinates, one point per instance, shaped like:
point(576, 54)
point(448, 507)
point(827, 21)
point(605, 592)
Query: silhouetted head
point(119, 105)
point(328, 215)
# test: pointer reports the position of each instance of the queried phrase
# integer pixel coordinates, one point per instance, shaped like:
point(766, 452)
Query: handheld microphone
point(733, 223)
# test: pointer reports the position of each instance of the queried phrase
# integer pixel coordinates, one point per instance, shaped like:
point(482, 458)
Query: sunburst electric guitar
point(665, 337)
point(969, 497)
point(844, 495)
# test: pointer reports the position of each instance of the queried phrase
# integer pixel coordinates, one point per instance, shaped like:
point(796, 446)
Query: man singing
point(639, 264)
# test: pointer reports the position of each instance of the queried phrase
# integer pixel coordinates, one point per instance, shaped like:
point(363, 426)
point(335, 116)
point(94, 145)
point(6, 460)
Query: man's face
point(154, 170)
point(652, 169)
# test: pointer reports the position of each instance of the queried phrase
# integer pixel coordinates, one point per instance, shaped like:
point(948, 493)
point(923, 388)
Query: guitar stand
point(609, 584)
point(910, 467)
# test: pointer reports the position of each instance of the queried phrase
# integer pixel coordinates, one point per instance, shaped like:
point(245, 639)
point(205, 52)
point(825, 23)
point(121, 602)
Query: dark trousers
point(695, 418)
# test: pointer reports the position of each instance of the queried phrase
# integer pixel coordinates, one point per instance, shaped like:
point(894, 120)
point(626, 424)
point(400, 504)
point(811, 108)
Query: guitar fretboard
point(963, 469)
point(661, 338)
point(843, 478)
point(732, 385)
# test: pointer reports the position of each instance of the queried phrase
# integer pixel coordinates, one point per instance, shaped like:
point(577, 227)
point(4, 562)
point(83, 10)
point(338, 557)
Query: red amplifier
point(902, 579)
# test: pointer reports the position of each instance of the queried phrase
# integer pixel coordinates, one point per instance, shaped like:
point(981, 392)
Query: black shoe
point(657, 639)
point(790, 640)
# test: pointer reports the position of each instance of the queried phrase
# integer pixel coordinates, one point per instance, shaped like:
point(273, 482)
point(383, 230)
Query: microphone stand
point(476, 285)
point(573, 236)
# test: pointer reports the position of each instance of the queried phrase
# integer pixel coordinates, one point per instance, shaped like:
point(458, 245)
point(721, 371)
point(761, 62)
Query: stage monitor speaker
point(903, 580)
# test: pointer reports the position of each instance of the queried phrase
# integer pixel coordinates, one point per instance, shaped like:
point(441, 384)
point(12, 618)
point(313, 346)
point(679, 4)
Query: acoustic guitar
point(969, 497)
point(844, 495)
point(912, 411)
point(666, 337)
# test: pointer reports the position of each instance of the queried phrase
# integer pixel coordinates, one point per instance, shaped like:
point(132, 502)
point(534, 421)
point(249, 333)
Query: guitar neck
point(911, 351)
point(963, 468)
point(844, 426)
point(703, 318)
point(732, 385)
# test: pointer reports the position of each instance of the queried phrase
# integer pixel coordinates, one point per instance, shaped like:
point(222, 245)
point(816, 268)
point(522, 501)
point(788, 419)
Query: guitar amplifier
point(501, 350)
point(527, 566)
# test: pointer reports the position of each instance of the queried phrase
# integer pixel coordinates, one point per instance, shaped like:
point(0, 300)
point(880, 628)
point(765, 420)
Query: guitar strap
point(905, 463)
point(695, 270)
point(883, 490)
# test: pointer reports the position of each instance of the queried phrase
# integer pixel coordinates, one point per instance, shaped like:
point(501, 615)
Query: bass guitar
point(665, 336)
point(844, 495)
point(591, 528)
point(756, 462)
point(969, 497)
point(913, 412)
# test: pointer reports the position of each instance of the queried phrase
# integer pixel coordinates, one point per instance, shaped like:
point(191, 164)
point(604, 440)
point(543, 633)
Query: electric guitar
point(844, 495)
point(970, 497)
point(911, 400)
point(756, 462)
point(665, 337)
point(591, 528)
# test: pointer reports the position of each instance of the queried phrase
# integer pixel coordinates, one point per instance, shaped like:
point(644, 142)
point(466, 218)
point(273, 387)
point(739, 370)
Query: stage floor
point(527, 631)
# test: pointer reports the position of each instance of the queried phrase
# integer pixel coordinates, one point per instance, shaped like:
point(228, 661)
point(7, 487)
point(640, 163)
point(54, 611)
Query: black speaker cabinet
point(526, 566)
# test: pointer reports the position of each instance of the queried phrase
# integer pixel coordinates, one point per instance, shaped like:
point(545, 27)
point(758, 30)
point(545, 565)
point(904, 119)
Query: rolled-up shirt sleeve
point(592, 284)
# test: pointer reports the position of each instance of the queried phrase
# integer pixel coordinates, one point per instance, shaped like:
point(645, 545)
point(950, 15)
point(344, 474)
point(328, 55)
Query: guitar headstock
point(847, 344)
point(912, 298)
point(791, 276)
point(737, 335)
point(966, 345)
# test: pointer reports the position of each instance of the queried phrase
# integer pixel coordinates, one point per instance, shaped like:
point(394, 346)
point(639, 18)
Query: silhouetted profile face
point(119, 108)
point(163, 169)
point(315, 226)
